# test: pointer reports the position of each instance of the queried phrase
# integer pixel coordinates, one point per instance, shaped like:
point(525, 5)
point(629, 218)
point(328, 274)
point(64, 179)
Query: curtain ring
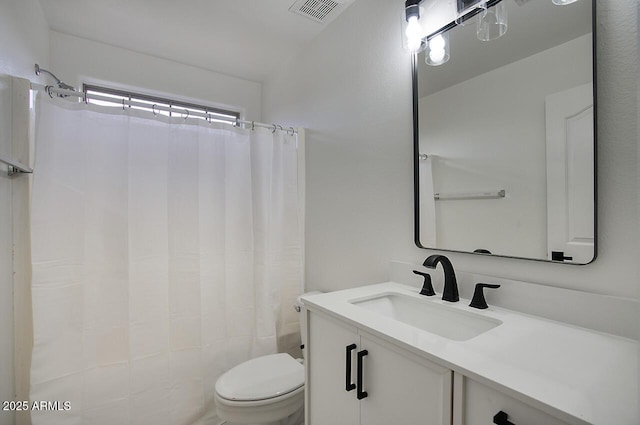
point(48, 90)
point(280, 127)
point(253, 125)
point(187, 111)
point(292, 131)
point(207, 117)
point(86, 102)
point(274, 128)
point(153, 109)
point(123, 103)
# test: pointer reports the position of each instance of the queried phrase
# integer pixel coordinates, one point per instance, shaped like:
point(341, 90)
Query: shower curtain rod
point(51, 90)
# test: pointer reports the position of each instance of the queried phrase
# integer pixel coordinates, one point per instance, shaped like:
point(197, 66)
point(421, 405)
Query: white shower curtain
point(165, 251)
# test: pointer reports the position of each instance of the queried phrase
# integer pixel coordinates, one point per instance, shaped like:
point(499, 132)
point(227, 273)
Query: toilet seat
point(261, 390)
point(262, 378)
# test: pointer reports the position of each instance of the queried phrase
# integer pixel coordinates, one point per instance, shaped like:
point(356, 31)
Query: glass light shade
point(563, 2)
point(437, 50)
point(413, 32)
point(493, 23)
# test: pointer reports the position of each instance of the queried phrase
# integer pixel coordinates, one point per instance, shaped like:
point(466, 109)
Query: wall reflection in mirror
point(505, 146)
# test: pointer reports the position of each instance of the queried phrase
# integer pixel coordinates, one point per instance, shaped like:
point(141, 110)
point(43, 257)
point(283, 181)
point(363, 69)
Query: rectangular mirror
point(504, 130)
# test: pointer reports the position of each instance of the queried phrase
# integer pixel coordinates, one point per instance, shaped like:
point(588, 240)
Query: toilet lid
point(261, 378)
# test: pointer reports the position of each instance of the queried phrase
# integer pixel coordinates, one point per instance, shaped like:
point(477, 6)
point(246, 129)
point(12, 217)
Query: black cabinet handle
point(348, 384)
point(361, 394)
point(502, 418)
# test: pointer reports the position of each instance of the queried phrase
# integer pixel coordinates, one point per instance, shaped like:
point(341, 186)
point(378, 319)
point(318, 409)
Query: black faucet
point(450, 292)
point(427, 287)
point(478, 300)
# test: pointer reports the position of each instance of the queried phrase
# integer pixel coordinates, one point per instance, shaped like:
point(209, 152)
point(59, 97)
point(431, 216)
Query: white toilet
point(267, 390)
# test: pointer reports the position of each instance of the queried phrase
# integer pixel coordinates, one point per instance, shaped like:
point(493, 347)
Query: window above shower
point(116, 98)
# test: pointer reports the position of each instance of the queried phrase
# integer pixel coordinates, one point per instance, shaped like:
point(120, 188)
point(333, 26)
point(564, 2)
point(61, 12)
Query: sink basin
point(442, 320)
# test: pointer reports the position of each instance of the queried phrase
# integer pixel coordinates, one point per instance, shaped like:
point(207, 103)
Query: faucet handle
point(427, 286)
point(478, 300)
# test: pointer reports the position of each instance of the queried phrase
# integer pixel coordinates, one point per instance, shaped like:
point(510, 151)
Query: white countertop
point(579, 376)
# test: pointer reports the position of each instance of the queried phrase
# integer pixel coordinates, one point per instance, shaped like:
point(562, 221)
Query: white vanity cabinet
point(477, 404)
point(394, 387)
point(534, 371)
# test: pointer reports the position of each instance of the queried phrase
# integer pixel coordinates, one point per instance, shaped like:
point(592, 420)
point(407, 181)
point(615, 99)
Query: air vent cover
point(321, 11)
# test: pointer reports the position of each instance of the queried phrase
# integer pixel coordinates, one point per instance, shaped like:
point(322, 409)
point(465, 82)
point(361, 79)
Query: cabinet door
point(402, 388)
point(328, 402)
point(477, 404)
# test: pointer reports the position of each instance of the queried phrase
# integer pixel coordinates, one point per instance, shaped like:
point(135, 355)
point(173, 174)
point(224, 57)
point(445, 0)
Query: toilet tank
point(299, 306)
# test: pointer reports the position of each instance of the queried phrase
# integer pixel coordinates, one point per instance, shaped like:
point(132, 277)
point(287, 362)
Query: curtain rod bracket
point(61, 84)
point(15, 167)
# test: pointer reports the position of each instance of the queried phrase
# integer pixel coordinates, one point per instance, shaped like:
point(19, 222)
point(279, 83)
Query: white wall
point(77, 60)
point(351, 89)
point(500, 145)
point(25, 41)
point(25, 38)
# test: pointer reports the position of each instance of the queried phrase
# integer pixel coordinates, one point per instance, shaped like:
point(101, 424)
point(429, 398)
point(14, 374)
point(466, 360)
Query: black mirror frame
point(416, 151)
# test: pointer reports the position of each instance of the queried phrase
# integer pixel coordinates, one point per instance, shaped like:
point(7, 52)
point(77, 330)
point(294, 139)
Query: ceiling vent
point(321, 11)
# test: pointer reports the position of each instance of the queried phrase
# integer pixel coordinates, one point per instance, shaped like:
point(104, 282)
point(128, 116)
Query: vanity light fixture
point(563, 2)
point(415, 38)
point(412, 28)
point(493, 22)
point(437, 50)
